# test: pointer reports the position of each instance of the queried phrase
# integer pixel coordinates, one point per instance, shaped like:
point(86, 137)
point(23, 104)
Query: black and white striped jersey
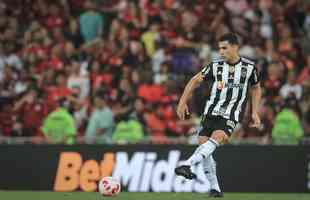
point(229, 89)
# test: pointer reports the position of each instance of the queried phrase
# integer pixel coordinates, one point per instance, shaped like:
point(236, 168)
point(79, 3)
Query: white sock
point(209, 167)
point(202, 151)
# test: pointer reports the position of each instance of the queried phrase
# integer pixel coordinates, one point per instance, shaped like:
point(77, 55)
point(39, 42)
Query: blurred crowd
point(113, 70)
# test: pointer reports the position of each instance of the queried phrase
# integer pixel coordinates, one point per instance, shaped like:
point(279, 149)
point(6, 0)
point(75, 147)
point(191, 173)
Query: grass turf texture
point(21, 195)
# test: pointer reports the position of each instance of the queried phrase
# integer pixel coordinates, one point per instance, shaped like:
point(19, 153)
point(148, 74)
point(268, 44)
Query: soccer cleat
point(215, 194)
point(185, 171)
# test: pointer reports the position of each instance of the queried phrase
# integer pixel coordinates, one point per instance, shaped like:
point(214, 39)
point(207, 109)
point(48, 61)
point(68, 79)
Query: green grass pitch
point(22, 195)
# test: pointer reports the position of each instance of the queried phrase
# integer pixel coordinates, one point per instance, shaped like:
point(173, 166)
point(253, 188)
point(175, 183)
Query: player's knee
point(202, 139)
point(226, 140)
point(219, 136)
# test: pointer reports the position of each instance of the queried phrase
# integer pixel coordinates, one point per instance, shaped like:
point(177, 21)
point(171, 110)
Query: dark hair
point(62, 102)
point(102, 94)
point(231, 38)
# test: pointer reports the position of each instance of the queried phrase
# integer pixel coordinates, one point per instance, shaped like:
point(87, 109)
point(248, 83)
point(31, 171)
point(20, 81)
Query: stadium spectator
point(7, 117)
point(304, 76)
point(72, 32)
point(31, 110)
point(287, 127)
point(59, 90)
point(77, 80)
point(59, 125)
point(149, 39)
point(101, 122)
point(291, 87)
point(306, 124)
point(128, 131)
point(91, 22)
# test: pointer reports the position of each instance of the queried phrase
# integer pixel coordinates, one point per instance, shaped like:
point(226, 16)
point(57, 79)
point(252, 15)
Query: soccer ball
point(109, 186)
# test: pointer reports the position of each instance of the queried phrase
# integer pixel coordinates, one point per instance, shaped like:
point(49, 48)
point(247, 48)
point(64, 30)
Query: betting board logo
point(140, 172)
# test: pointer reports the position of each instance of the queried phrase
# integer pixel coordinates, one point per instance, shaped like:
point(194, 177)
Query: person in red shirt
point(6, 117)
point(149, 91)
point(98, 77)
point(304, 75)
point(55, 18)
point(274, 81)
point(31, 110)
point(60, 90)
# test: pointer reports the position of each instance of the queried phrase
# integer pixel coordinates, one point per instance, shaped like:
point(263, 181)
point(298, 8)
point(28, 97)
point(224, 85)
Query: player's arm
point(182, 109)
point(256, 94)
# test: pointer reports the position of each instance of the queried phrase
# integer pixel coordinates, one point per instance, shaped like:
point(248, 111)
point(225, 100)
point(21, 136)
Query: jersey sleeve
point(254, 78)
point(207, 72)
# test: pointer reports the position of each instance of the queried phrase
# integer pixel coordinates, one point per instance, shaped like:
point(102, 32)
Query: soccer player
point(233, 79)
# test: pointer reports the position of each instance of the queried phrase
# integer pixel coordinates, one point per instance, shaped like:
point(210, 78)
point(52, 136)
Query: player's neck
point(234, 60)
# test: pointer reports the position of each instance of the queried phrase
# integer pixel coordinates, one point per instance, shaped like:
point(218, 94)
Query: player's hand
point(256, 123)
point(182, 111)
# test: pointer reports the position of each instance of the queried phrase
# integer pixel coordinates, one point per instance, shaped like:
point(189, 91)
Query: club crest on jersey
point(220, 85)
point(243, 72)
point(231, 69)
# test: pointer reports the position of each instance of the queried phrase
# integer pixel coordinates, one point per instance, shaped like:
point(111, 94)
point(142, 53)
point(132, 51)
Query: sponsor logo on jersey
point(220, 85)
point(231, 69)
point(234, 85)
point(221, 112)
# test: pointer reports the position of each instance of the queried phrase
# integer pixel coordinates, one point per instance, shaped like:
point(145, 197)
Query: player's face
point(227, 50)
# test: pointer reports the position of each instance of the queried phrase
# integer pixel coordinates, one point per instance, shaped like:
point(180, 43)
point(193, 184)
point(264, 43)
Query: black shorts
point(213, 123)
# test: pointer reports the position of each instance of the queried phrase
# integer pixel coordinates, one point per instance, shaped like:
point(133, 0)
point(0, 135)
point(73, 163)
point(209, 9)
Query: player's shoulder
point(246, 61)
point(218, 61)
point(214, 62)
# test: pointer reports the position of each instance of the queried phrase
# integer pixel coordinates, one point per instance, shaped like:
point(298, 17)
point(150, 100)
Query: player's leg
point(209, 166)
point(196, 156)
point(207, 148)
point(185, 169)
point(215, 129)
point(202, 139)
point(217, 132)
point(223, 130)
